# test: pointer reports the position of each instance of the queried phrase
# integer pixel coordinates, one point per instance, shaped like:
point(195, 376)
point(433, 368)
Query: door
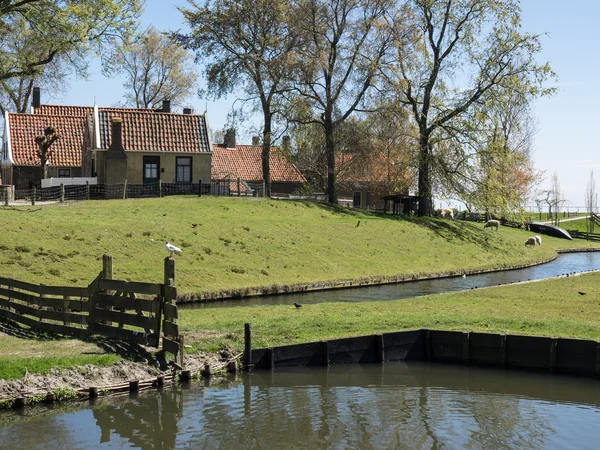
point(151, 166)
point(356, 200)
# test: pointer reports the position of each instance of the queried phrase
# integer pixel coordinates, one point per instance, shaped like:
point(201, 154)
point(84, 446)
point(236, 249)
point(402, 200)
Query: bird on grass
point(172, 249)
point(581, 293)
point(297, 305)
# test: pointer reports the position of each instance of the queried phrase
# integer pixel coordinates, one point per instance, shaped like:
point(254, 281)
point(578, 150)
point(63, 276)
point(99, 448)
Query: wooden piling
point(206, 371)
point(185, 375)
point(380, 348)
point(134, 385)
point(160, 380)
point(324, 353)
point(247, 344)
point(20, 402)
point(232, 367)
point(93, 392)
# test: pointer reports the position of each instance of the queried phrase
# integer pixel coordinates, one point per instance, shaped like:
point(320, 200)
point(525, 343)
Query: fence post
point(238, 187)
point(39, 304)
point(66, 309)
point(124, 188)
point(33, 196)
point(6, 197)
point(107, 273)
point(160, 188)
point(87, 190)
point(62, 193)
point(169, 270)
point(200, 187)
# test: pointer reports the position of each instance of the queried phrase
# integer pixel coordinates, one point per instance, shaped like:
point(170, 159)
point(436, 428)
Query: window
point(184, 169)
point(64, 173)
point(151, 170)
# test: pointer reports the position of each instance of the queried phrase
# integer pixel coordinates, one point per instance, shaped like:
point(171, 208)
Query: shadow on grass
point(444, 228)
point(126, 350)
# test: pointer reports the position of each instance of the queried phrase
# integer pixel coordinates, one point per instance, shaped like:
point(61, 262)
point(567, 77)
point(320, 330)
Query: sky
point(566, 141)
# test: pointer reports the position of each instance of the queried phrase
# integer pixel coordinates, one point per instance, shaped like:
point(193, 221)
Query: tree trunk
point(330, 152)
point(44, 167)
point(425, 193)
point(266, 154)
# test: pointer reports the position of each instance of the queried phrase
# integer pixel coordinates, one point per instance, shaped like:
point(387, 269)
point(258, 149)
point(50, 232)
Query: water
point(394, 405)
point(565, 263)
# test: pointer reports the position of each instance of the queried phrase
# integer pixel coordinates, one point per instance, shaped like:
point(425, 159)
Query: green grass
point(544, 308)
point(40, 355)
point(579, 225)
point(232, 243)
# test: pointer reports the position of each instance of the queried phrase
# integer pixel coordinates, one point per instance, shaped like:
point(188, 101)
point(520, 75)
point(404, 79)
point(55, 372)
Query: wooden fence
point(124, 310)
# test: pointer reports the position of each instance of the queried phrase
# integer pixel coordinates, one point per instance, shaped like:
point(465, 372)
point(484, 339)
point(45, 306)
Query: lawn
point(245, 244)
point(543, 308)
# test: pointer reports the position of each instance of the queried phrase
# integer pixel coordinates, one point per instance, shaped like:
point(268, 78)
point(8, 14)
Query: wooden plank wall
point(567, 356)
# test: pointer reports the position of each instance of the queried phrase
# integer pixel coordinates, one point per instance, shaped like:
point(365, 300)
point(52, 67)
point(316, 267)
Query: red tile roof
point(156, 131)
point(65, 110)
point(65, 152)
point(245, 162)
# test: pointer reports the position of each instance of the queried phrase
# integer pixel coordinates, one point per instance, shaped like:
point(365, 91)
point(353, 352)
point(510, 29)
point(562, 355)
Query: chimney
point(286, 144)
point(116, 150)
point(229, 140)
point(187, 110)
point(166, 106)
point(255, 140)
point(36, 98)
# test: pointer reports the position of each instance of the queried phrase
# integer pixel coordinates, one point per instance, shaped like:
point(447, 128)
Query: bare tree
point(44, 142)
point(590, 197)
point(344, 45)
point(155, 68)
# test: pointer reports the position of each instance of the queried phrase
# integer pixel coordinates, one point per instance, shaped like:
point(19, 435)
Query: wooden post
point(134, 386)
point(66, 309)
point(271, 358)
point(185, 375)
point(181, 351)
point(324, 353)
point(62, 193)
point(87, 190)
point(39, 305)
point(20, 402)
point(552, 358)
point(107, 266)
point(160, 188)
point(232, 367)
point(160, 380)
point(380, 348)
point(107, 273)
point(466, 347)
point(6, 197)
point(238, 187)
point(503, 351)
point(124, 188)
point(200, 188)
point(33, 196)
point(247, 345)
point(10, 299)
point(93, 392)
point(169, 271)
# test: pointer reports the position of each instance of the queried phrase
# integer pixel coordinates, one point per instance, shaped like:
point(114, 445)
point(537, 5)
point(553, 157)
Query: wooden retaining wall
point(566, 356)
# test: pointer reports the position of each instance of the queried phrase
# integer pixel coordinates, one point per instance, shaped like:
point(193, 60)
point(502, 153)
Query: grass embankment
point(544, 308)
point(234, 244)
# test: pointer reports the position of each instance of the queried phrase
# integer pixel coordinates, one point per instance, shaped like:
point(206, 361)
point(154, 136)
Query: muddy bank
point(70, 382)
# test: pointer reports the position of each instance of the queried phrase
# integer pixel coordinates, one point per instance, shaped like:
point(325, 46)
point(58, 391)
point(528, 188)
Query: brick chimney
point(187, 110)
point(286, 144)
point(229, 140)
point(36, 98)
point(116, 150)
point(166, 106)
point(255, 140)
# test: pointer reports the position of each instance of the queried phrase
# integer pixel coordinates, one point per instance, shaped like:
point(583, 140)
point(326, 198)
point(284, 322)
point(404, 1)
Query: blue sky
point(566, 141)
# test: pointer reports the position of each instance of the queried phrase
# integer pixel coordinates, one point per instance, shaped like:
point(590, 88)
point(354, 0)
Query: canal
point(566, 263)
point(392, 405)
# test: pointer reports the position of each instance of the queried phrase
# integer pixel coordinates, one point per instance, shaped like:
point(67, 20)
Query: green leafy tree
point(244, 43)
point(69, 28)
point(155, 67)
point(454, 55)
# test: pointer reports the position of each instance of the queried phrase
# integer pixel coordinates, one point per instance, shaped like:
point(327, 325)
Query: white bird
point(172, 249)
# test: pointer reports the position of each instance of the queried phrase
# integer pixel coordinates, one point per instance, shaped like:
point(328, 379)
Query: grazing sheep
point(447, 213)
point(531, 241)
point(492, 224)
point(538, 239)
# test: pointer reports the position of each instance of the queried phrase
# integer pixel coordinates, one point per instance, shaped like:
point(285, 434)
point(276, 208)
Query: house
point(142, 146)
point(231, 162)
point(368, 180)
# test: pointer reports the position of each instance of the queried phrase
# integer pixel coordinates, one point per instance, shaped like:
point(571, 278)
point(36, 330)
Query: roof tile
point(245, 162)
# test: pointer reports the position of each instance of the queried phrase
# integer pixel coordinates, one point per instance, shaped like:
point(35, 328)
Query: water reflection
point(565, 263)
point(396, 405)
